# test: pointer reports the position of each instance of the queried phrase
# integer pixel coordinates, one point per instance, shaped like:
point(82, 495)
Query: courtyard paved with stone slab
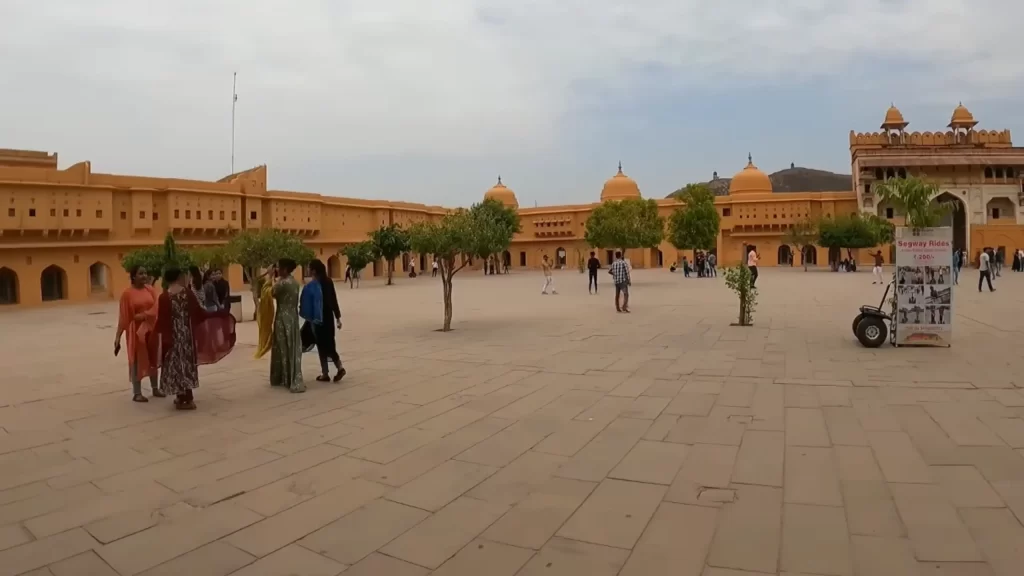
point(545, 436)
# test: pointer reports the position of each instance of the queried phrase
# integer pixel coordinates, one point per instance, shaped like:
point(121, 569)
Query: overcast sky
point(428, 101)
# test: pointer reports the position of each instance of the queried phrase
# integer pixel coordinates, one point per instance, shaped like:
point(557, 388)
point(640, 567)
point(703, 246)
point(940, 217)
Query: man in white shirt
point(985, 269)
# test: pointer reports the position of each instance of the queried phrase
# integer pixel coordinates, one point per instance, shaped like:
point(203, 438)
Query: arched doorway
point(405, 262)
point(99, 279)
point(785, 256)
point(423, 262)
point(506, 259)
point(659, 258)
point(376, 268)
point(334, 267)
point(955, 218)
point(809, 254)
point(560, 257)
point(8, 286)
point(54, 284)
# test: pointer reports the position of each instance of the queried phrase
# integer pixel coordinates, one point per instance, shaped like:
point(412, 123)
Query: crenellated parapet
point(985, 138)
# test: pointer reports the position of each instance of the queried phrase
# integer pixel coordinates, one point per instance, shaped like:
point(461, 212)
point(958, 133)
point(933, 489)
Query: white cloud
point(131, 82)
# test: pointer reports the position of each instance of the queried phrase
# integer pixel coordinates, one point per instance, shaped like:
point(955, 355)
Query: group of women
point(280, 332)
point(189, 324)
point(173, 334)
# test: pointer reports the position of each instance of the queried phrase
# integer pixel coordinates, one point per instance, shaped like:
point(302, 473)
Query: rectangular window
point(65, 212)
point(53, 211)
point(32, 212)
point(210, 215)
point(99, 213)
point(142, 215)
point(188, 214)
point(156, 216)
point(177, 214)
point(124, 215)
point(234, 215)
point(888, 212)
point(78, 212)
point(726, 211)
point(199, 214)
point(252, 215)
point(221, 215)
point(867, 188)
point(995, 213)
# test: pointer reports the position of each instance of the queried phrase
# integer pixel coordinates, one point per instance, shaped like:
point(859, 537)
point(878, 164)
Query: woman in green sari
point(286, 349)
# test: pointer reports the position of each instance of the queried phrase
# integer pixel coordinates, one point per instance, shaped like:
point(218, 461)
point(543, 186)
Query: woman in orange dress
point(137, 317)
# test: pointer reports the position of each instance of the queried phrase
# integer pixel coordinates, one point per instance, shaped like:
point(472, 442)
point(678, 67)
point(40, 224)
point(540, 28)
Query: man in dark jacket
point(593, 265)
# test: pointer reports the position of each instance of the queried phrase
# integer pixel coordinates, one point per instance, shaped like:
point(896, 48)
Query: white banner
point(924, 287)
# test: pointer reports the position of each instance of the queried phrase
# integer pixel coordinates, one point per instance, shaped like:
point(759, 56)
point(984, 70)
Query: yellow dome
point(894, 119)
point(962, 118)
point(620, 187)
point(502, 194)
point(750, 180)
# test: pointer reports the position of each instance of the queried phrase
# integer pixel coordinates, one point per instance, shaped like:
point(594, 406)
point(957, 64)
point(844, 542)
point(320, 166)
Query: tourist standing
point(222, 287)
point(877, 270)
point(549, 281)
point(189, 336)
point(433, 269)
point(713, 264)
point(265, 314)
point(286, 350)
point(326, 342)
point(752, 260)
point(592, 266)
point(985, 269)
point(957, 263)
point(137, 316)
point(686, 267)
point(620, 277)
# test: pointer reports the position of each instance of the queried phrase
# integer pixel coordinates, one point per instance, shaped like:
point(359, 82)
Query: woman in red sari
point(137, 317)
point(189, 336)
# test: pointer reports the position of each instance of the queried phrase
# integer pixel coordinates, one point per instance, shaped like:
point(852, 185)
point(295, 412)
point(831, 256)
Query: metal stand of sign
point(923, 311)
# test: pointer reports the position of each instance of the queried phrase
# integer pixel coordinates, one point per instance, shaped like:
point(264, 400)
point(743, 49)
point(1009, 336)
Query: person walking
point(433, 269)
point(137, 317)
point(985, 269)
point(330, 317)
point(957, 263)
point(877, 270)
point(620, 277)
point(752, 260)
point(592, 266)
point(548, 279)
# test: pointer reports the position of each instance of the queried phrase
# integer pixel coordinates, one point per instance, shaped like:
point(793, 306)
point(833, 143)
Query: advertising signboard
point(924, 287)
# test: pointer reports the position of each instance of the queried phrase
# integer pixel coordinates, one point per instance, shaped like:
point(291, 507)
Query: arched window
point(879, 174)
point(903, 173)
point(890, 173)
point(988, 172)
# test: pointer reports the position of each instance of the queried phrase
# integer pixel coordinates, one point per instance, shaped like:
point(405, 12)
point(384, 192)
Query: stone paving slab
point(546, 435)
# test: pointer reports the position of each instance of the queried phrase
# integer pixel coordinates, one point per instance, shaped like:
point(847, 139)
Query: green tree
point(257, 250)
point(359, 256)
point(156, 259)
point(740, 280)
point(624, 224)
point(846, 232)
point(695, 225)
point(884, 231)
point(802, 234)
point(390, 242)
point(210, 257)
point(450, 239)
point(913, 198)
point(494, 226)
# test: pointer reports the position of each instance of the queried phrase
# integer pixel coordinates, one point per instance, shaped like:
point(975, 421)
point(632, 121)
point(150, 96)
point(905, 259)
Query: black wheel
point(856, 321)
point(872, 331)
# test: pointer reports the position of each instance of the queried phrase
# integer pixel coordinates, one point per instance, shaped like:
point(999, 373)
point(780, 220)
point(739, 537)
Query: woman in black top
point(326, 345)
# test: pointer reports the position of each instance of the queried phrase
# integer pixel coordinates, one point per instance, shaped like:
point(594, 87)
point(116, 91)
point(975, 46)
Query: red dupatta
point(212, 332)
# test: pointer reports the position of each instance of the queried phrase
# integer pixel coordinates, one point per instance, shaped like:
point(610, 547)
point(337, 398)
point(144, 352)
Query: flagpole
point(234, 99)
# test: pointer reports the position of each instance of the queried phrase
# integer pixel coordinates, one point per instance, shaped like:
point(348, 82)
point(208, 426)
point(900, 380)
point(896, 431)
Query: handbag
point(308, 336)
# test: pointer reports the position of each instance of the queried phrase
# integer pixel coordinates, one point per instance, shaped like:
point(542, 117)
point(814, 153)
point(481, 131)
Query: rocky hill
point(793, 179)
